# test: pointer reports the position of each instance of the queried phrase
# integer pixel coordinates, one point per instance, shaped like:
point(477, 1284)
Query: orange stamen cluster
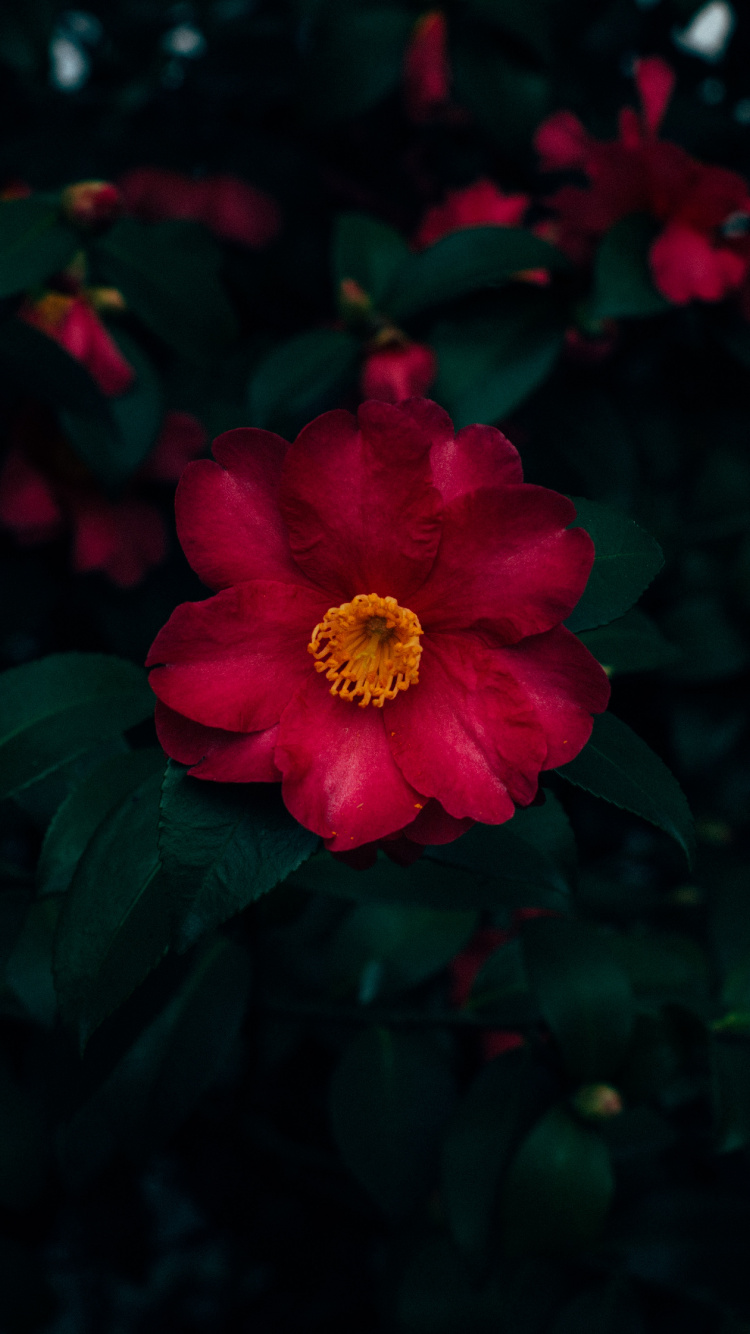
point(368, 647)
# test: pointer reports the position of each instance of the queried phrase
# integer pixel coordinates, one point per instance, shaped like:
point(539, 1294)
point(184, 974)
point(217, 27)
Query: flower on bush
point(91, 203)
point(427, 72)
point(45, 490)
point(398, 370)
point(482, 204)
point(385, 639)
point(694, 254)
point(227, 206)
point(73, 323)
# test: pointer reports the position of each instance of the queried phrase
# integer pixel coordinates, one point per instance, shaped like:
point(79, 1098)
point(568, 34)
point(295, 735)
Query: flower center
point(369, 647)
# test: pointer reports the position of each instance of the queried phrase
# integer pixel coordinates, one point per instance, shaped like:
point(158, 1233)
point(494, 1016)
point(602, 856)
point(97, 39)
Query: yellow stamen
point(368, 647)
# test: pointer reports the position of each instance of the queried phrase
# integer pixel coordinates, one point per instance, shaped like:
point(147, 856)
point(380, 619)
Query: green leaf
point(622, 278)
point(509, 97)
point(501, 988)
point(441, 1295)
point(28, 974)
point(488, 365)
point(391, 1095)
point(80, 815)
point(634, 643)
point(481, 1137)
point(467, 261)
point(113, 928)
point(222, 846)
point(619, 767)
point(33, 362)
point(627, 560)
point(300, 375)
point(559, 1188)
point(356, 58)
point(381, 948)
point(583, 993)
point(34, 243)
point(168, 273)
point(522, 871)
point(368, 251)
point(172, 1063)
point(58, 707)
point(116, 445)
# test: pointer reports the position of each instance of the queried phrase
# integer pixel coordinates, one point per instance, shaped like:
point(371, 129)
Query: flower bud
point(398, 371)
point(91, 203)
point(598, 1102)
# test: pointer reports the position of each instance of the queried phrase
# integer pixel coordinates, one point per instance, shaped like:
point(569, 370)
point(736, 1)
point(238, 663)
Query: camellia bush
point(375, 572)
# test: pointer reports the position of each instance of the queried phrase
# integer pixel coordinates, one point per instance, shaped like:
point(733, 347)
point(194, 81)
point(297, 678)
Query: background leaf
point(368, 251)
point(113, 928)
point(58, 707)
point(390, 1097)
point(618, 766)
point(623, 285)
point(222, 846)
point(34, 243)
point(300, 375)
point(627, 560)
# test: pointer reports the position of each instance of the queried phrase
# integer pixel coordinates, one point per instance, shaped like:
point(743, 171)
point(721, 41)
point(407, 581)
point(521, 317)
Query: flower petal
point(467, 733)
point(181, 439)
point(434, 826)
point(340, 779)
point(685, 264)
point(124, 539)
point(507, 564)
point(360, 507)
point(235, 660)
point(28, 505)
point(226, 757)
point(228, 518)
point(565, 684)
point(561, 142)
point(478, 456)
point(655, 81)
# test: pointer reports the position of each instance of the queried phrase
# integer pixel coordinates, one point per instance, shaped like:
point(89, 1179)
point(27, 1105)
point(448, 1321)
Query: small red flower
point(91, 203)
point(386, 634)
point(427, 71)
point(45, 489)
point(227, 206)
point(482, 204)
point(692, 257)
point(399, 371)
point(75, 325)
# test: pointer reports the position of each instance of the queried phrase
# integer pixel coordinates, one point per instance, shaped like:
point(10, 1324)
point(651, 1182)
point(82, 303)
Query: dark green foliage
point(625, 562)
point(169, 275)
point(300, 376)
point(107, 943)
point(617, 765)
point(56, 709)
point(34, 243)
point(622, 280)
point(221, 847)
point(390, 1098)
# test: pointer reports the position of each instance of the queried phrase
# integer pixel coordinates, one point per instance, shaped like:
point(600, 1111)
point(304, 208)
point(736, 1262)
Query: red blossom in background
point(91, 203)
point(482, 204)
point(227, 206)
point(427, 71)
point(75, 325)
point(398, 371)
point(45, 490)
point(429, 584)
point(640, 173)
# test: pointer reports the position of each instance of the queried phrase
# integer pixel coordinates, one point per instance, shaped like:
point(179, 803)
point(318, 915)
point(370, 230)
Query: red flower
point(45, 489)
point(399, 371)
point(75, 325)
point(91, 203)
point(427, 581)
point(227, 206)
point(482, 204)
point(427, 72)
point(639, 173)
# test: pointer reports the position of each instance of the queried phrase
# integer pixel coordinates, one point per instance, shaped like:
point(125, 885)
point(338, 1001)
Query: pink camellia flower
point(45, 490)
point(385, 639)
point(398, 371)
point(75, 325)
point(695, 254)
point(227, 206)
point(482, 204)
point(427, 71)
